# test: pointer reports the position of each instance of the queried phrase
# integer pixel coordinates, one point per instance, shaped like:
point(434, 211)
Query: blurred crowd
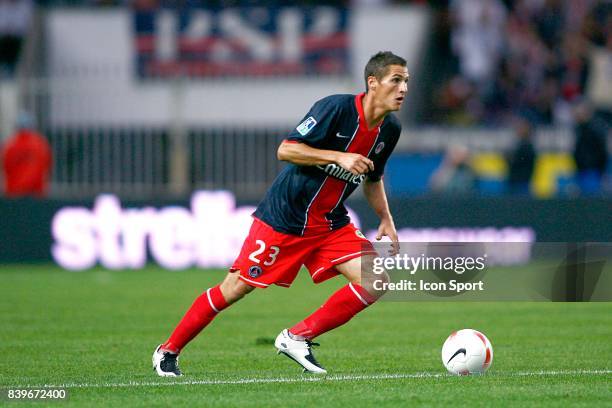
point(531, 58)
point(15, 20)
point(516, 64)
point(586, 175)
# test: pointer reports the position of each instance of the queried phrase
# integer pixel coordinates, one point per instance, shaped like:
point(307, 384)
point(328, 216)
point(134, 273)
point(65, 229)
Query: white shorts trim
point(261, 285)
point(346, 256)
point(315, 273)
point(334, 261)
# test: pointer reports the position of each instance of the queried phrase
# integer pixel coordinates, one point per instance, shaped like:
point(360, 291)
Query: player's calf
point(203, 310)
point(341, 307)
point(375, 284)
point(360, 272)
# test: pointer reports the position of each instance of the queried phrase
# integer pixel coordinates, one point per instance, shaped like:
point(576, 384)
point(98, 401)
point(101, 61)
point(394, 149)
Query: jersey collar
point(363, 126)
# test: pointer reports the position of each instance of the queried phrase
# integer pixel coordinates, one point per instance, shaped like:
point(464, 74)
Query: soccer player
point(342, 141)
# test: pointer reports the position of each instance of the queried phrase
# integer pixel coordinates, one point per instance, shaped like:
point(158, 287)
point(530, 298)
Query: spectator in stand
point(521, 160)
point(478, 37)
point(454, 176)
point(26, 161)
point(590, 150)
point(597, 25)
point(454, 102)
point(15, 17)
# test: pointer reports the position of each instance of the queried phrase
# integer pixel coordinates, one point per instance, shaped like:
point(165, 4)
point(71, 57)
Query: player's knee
point(355, 280)
point(235, 292)
point(376, 284)
point(351, 270)
point(234, 289)
point(241, 289)
point(382, 286)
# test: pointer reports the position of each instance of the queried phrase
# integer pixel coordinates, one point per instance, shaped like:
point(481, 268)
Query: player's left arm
point(374, 192)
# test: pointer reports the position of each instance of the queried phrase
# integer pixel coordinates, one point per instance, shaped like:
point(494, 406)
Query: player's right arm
point(307, 144)
point(303, 155)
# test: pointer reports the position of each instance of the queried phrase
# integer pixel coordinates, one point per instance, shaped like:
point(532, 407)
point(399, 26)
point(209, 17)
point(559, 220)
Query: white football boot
point(165, 363)
point(299, 351)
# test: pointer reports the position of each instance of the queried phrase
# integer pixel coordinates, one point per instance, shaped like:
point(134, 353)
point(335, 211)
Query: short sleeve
point(314, 127)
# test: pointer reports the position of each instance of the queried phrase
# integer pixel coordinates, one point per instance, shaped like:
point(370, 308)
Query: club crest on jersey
point(338, 172)
point(379, 147)
point(255, 271)
point(304, 127)
point(360, 234)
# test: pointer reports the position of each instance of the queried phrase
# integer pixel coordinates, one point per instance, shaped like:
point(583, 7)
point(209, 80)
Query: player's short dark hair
point(378, 65)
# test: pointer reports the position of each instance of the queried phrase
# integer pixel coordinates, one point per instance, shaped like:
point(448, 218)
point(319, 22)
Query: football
point(467, 352)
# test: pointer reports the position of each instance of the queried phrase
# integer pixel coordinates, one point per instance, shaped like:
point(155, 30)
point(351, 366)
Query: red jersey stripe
point(330, 193)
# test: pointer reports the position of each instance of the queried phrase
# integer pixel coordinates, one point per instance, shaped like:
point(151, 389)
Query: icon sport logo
point(305, 127)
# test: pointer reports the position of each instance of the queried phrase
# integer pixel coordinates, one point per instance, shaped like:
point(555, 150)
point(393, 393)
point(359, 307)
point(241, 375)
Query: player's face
point(391, 90)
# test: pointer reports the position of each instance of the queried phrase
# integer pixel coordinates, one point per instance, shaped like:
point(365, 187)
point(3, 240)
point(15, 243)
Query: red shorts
point(270, 257)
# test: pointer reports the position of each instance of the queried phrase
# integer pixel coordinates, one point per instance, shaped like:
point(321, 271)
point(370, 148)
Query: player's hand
point(355, 163)
point(387, 229)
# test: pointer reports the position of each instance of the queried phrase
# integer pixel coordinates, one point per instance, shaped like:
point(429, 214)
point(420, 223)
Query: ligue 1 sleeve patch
point(304, 127)
point(379, 147)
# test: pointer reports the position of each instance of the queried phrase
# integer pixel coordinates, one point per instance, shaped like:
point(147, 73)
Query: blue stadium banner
point(205, 42)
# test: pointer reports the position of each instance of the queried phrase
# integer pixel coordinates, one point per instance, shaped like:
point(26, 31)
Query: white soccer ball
point(467, 352)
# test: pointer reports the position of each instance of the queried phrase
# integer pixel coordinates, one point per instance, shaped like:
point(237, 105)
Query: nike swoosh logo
point(342, 136)
point(461, 350)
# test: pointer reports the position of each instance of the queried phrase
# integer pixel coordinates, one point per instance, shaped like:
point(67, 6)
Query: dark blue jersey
point(306, 200)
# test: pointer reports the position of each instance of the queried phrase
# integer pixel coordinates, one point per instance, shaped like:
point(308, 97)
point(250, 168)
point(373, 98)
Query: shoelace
point(171, 359)
point(310, 357)
point(311, 344)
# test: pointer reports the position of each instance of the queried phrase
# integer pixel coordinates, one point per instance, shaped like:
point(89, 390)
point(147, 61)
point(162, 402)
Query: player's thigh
point(269, 257)
point(351, 270)
point(340, 247)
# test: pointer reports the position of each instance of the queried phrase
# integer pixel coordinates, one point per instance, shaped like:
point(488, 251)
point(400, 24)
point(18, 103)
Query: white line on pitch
point(347, 377)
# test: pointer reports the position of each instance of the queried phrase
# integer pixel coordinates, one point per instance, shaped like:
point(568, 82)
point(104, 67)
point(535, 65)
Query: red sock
point(199, 315)
point(339, 309)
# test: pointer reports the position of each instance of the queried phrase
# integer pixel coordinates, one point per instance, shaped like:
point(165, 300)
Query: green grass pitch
point(94, 333)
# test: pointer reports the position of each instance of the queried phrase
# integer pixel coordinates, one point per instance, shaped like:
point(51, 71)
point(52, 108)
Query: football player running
point(343, 141)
